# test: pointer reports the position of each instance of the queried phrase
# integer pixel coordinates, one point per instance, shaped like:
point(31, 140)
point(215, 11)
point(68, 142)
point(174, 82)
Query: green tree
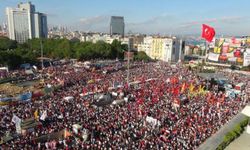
point(85, 51)
point(116, 49)
point(142, 56)
point(6, 43)
point(10, 59)
point(61, 49)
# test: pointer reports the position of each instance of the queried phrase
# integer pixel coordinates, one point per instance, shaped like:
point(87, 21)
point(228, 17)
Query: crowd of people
point(156, 90)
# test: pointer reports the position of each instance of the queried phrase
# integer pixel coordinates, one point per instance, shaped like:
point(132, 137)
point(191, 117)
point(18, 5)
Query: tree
point(57, 48)
point(142, 56)
point(124, 47)
point(6, 58)
point(116, 49)
point(102, 49)
point(6, 43)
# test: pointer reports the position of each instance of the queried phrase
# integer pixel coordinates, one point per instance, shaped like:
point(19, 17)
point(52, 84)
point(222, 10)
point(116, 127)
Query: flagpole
point(41, 44)
point(205, 51)
point(128, 65)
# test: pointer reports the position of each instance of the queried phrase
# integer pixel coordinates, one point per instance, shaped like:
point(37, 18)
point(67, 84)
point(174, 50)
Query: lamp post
point(41, 53)
point(128, 64)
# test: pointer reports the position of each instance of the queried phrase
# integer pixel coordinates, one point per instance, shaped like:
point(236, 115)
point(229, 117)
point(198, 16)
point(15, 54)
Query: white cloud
point(94, 20)
point(226, 19)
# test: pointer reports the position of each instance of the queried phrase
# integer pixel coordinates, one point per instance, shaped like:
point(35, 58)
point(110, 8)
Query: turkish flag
point(208, 32)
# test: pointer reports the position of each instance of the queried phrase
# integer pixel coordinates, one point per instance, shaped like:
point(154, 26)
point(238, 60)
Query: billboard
point(230, 50)
point(246, 58)
point(129, 55)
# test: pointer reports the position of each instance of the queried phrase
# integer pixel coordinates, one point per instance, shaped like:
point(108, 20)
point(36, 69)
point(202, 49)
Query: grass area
point(232, 135)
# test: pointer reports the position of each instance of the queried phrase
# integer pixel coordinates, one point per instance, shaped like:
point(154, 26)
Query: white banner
point(16, 119)
point(246, 61)
point(213, 56)
point(233, 59)
point(18, 128)
point(229, 55)
point(44, 115)
point(17, 122)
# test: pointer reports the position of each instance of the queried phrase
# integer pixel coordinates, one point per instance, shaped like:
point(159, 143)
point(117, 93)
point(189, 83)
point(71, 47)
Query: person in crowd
point(155, 115)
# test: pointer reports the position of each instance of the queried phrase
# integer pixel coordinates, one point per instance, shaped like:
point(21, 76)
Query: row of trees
point(13, 54)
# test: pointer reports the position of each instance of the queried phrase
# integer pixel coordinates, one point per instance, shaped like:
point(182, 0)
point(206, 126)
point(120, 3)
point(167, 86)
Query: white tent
point(76, 127)
point(246, 111)
point(154, 122)
point(4, 68)
point(68, 98)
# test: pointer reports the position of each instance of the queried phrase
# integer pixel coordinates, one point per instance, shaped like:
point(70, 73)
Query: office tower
point(117, 26)
point(41, 29)
point(25, 23)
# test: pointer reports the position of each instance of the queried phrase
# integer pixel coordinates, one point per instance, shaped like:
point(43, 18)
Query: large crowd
point(184, 121)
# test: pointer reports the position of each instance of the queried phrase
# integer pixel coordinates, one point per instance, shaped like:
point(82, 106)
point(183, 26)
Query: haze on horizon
point(181, 17)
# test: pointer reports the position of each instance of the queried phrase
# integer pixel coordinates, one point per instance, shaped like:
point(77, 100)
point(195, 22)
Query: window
point(173, 52)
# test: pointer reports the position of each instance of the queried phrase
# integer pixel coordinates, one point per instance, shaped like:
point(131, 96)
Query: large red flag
point(208, 32)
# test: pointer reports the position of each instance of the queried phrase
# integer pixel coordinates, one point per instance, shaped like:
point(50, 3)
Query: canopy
point(246, 111)
point(4, 68)
point(77, 126)
point(43, 58)
point(68, 98)
point(209, 76)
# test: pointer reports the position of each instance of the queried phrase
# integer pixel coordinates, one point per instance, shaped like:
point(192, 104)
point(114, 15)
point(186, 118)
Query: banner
point(48, 89)
point(246, 61)
point(213, 56)
point(229, 55)
point(25, 97)
point(6, 99)
point(54, 136)
point(232, 59)
point(44, 115)
point(18, 128)
point(17, 122)
point(15, 119)
point(152, 121)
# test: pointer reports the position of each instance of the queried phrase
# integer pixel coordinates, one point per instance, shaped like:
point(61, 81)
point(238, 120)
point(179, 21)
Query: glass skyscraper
point(117, 25)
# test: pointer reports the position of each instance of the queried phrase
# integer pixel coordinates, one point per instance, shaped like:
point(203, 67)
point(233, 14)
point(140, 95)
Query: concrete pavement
point(241, 143)
point(214, 141)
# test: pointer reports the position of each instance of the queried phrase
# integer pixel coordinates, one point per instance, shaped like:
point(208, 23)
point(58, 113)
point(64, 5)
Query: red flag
point(154, 100)
point(174, 80)
point(223, 98)
point(140, 101)
point(208, 32)
point(176, 91)
point(233, 40)
point(177, 101)
point(84, 90)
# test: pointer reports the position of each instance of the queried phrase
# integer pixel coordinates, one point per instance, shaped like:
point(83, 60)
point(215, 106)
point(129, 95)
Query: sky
point(165, 17)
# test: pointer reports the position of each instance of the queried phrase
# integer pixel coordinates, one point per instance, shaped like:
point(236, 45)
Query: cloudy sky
point(228, 17)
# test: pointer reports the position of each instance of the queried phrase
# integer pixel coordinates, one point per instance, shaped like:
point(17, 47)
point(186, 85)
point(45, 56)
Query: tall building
point(41, 29)
point(163, 48)
point(117, 26)
point(25, 23)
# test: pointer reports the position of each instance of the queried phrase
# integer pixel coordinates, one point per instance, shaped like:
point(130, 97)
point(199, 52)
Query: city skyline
point(145, 16)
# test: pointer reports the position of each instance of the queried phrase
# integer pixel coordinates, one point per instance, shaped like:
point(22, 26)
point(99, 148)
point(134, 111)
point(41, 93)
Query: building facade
point(146, 45)
point(25, 23)
point(163, 48)
point(117, 26)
